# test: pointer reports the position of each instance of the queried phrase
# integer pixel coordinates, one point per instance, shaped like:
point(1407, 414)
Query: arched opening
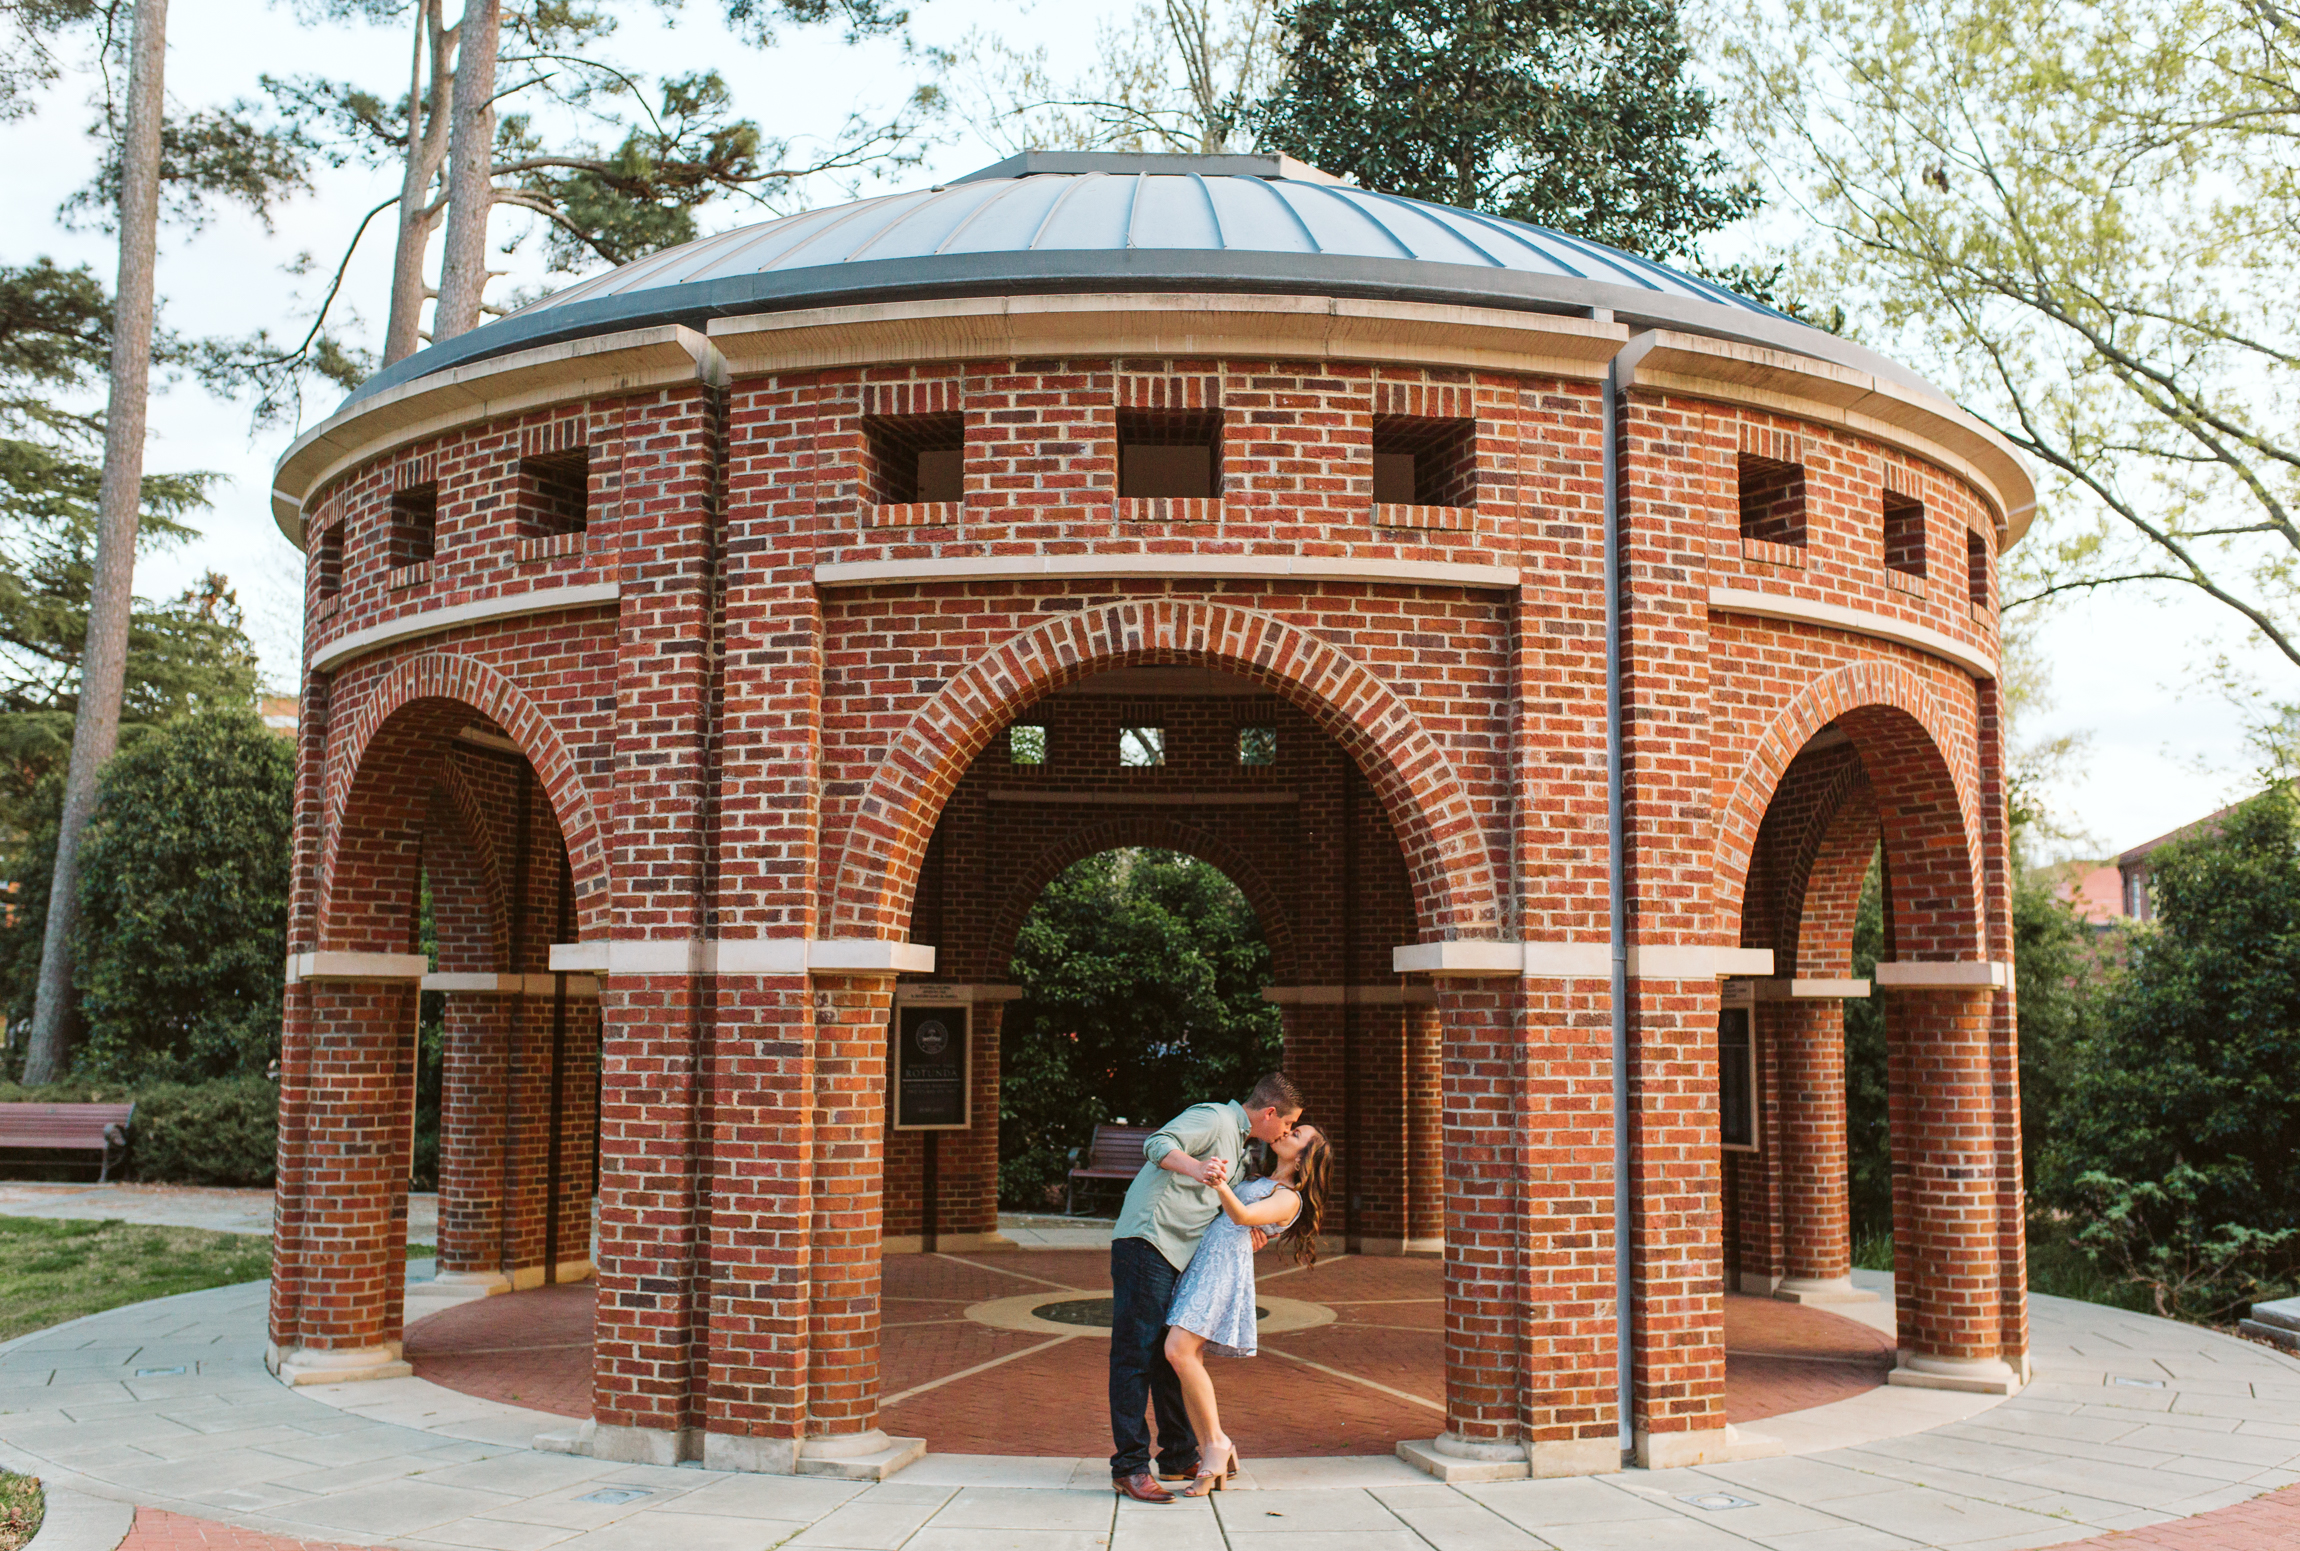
point(1866, 855)
point(429, 1044)
point(1096, 824)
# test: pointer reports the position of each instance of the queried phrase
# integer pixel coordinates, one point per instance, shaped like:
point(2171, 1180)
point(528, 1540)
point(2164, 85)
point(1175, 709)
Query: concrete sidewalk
point(179, 1206)
point(2131, 1421)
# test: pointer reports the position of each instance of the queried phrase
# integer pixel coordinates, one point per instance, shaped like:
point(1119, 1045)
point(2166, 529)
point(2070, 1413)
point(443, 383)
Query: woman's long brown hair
point(1311, 1172)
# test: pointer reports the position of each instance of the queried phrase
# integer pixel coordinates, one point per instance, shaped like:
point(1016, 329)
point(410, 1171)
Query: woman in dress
point(1213, 1307)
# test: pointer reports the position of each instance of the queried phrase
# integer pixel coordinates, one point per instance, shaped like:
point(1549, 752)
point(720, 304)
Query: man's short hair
point(1277, 1092)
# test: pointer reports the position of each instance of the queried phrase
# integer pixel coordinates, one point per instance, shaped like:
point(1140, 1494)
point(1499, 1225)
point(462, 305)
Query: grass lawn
point(20, 1509)
point(52, 1270)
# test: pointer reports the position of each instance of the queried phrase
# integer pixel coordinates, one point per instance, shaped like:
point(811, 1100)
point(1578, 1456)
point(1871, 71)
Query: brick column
point(357, 1082)
point(1529, 1326)
point(1818, 1251)
point(1677, 1365)
point(1425, 1152)
point(851, 1020)
point(1946, 1248)
point(1676, 477)
point(763, 1170)
point(474, 1095)
point(656, 1017)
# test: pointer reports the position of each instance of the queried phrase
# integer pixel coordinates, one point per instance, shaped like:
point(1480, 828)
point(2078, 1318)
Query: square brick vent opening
point(1169, 454)
point(1424, 461)
point(909, 459)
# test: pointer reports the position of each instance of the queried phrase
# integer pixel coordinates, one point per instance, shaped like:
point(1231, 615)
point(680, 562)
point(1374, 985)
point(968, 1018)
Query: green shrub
point(2175, 1150)
point(211, 1133)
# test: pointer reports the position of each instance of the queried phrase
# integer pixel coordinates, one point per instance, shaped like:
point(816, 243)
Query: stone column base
point(310, 1365)
point(624, 1445)
point(871, 1456)
point(1368, 1246)
point(1970, 1375)
point(1814, 1289)
point(1709, 1446)
point(1455, 1460)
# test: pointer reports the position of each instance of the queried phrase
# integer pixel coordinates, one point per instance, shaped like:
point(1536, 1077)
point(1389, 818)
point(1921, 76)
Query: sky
point(2128, 675)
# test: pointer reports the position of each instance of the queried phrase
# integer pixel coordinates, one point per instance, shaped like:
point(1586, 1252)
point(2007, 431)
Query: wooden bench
point(101, 1129)
point(1114, 1154)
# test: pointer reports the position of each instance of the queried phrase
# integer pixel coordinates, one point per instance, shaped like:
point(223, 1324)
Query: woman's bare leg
point(1186, 1350)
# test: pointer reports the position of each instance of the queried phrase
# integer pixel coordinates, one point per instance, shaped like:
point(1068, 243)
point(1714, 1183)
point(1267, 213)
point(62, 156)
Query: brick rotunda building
point(732, 646)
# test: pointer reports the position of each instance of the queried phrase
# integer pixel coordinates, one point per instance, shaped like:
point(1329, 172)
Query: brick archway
point(428, 697)
point(1166, 833)
point(1444, 845)
point(1926, 807)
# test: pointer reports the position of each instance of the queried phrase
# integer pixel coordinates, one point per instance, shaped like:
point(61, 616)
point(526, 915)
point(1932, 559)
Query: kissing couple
point(1182, 1276)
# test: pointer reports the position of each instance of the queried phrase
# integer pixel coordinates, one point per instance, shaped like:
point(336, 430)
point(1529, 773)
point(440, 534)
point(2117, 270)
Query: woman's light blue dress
point(1215, 1297)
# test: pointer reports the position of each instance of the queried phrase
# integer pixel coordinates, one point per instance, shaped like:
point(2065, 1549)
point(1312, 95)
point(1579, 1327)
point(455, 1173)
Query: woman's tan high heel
point(1211, 1480)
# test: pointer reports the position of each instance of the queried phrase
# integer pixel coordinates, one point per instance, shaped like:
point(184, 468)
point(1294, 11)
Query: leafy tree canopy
point(55, 347)
point(1573, 114)
point(2077, 219)
point(2192, 1063)
point(183, 900)
point(1142, 974)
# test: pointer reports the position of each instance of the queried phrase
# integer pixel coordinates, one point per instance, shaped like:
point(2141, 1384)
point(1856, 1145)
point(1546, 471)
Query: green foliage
point(211, 1133)
point(53, 1270)
point(55, 346)
point(2073, 215)
point(1142, 974)
point(1574, 114)
point(183, 905)
point(2177, 1140)
point(2160, 1238)
point(1868, 1130)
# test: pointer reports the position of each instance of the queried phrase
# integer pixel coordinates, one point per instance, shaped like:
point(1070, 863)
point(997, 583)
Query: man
point(1168, 1209)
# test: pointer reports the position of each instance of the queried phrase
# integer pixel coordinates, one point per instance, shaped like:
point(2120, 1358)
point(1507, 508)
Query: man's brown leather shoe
point(1188, 1472)
point(1142, 1487)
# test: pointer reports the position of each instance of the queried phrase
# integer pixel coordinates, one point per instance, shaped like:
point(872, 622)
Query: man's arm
point(1174, 1145)
point(1206, 1171)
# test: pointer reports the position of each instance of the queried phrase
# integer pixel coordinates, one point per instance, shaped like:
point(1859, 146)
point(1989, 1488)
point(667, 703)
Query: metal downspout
point(1617, 372)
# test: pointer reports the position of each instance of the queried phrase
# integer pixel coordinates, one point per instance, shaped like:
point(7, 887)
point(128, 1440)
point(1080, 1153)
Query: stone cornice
point(510, 605)
point(1859, 402)
point(1835, 616)
point(1038, 568)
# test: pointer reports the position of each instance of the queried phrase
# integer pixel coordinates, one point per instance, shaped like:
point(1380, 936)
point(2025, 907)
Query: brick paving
point(158, 1530)
point(2270, 1523)
point(1356, 1386)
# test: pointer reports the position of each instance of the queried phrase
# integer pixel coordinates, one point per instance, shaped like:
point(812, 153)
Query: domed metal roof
point(1044, 222)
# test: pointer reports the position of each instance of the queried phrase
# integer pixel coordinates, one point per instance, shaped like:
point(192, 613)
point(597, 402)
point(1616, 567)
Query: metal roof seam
point(1134, 207)
point(1271, 186)
point(1341, 196)
point(932, 198)
point(1056, 208)
point(1221, 240)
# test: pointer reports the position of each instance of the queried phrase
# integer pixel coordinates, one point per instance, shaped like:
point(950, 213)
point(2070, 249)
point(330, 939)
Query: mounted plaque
point(932, 1067)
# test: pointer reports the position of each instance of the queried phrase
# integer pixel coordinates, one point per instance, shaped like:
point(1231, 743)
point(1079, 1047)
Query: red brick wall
point(730, 751)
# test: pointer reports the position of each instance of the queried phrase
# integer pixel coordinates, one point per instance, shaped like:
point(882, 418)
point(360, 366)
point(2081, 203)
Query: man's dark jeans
point(1141, 1286)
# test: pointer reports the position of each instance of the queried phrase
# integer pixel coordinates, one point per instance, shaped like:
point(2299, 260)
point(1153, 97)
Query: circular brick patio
point(1374, 1375)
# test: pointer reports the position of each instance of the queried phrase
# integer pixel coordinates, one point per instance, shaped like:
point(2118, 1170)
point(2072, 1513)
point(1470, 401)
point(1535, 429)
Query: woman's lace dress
point(1215, 1297)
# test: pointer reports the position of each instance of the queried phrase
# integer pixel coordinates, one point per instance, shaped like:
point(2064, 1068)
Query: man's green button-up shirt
point(1172, 1210)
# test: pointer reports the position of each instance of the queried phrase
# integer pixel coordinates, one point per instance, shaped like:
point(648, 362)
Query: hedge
point(212, 1133)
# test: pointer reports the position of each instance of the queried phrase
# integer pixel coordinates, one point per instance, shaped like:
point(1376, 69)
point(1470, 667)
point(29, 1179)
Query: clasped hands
point(1214, 1171)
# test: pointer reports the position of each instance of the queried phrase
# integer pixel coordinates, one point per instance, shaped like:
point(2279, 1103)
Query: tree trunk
point(429, 112)
point(470, 172)
point(104, 659)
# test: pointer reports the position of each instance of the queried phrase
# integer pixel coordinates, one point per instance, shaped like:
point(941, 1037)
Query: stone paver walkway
point(2131, 1422)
